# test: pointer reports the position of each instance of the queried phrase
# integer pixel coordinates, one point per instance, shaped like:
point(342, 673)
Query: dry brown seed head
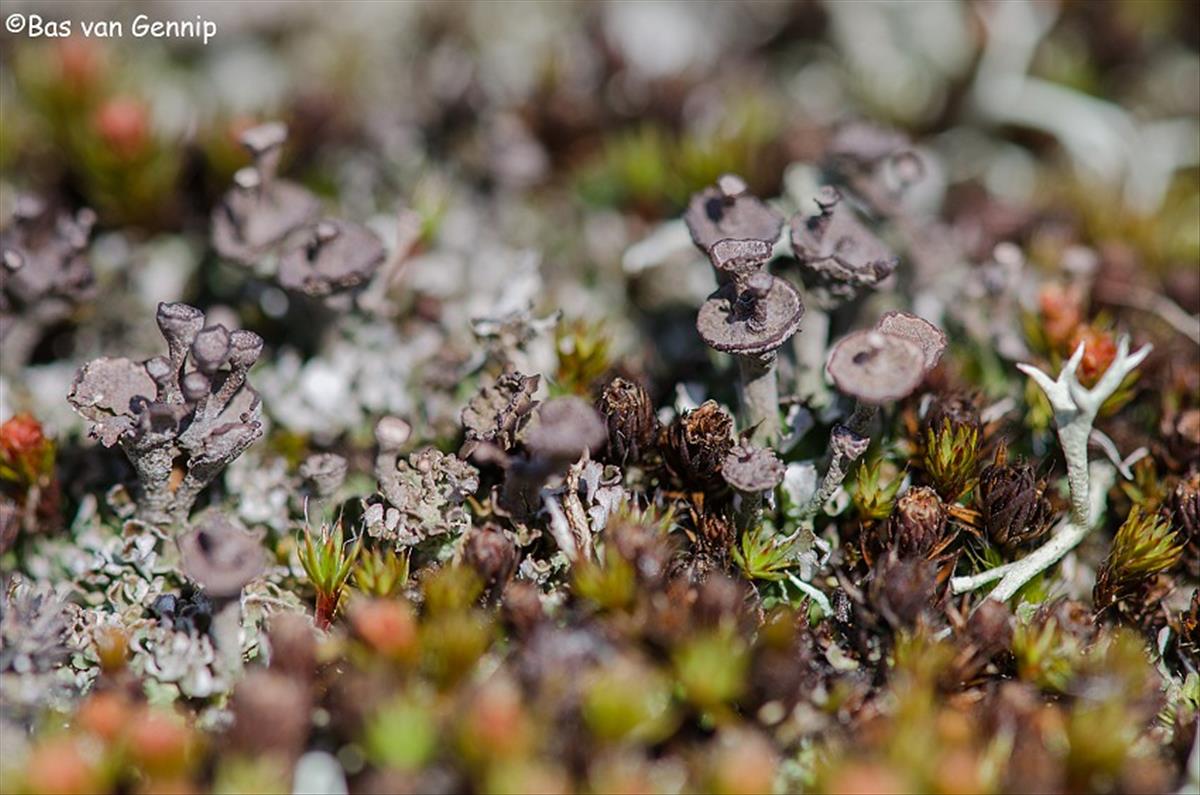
point(697, 443)
point(629, 414)
point(917, 524)
point(1011, 500)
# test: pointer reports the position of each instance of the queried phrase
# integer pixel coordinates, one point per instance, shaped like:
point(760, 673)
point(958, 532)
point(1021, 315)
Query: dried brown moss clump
point(696, 445)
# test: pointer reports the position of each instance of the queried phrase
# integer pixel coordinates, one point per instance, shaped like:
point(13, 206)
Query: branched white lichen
point(1075, 409)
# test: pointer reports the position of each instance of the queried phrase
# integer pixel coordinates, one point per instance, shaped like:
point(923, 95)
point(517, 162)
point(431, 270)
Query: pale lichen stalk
point(1075, 409)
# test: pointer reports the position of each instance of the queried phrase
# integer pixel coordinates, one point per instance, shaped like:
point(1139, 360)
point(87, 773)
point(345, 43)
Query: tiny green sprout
point(611, 585)
point(403, 734)
point(1146, 490)
point(381, 573)
point(451, 589)
point(763, 554)
point(662, 520)
point(629, 700)
point(873, 499)
point(327, 562)
point(711, 668)
point(1046, 655)
point(452, 644)
point(951, 458)
point(584, 356)
point(1145, 545)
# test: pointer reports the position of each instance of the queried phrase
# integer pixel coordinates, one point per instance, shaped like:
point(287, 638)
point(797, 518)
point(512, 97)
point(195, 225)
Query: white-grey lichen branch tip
point(1075, 409)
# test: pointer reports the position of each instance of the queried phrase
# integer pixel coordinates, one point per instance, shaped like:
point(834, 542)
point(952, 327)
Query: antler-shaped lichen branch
point(1075, 410)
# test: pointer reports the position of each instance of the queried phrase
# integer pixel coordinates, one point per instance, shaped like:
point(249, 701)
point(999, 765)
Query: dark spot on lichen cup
point(876, 368)
point(336, 256)
point(751, 470)
point(751, 321)
point(838, 256)
point(728, 211)
point(222, 558)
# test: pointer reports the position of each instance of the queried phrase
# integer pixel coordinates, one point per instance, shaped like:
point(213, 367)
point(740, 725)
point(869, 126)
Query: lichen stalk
point(226, 632)
point(759, 390)
point(810, 348)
